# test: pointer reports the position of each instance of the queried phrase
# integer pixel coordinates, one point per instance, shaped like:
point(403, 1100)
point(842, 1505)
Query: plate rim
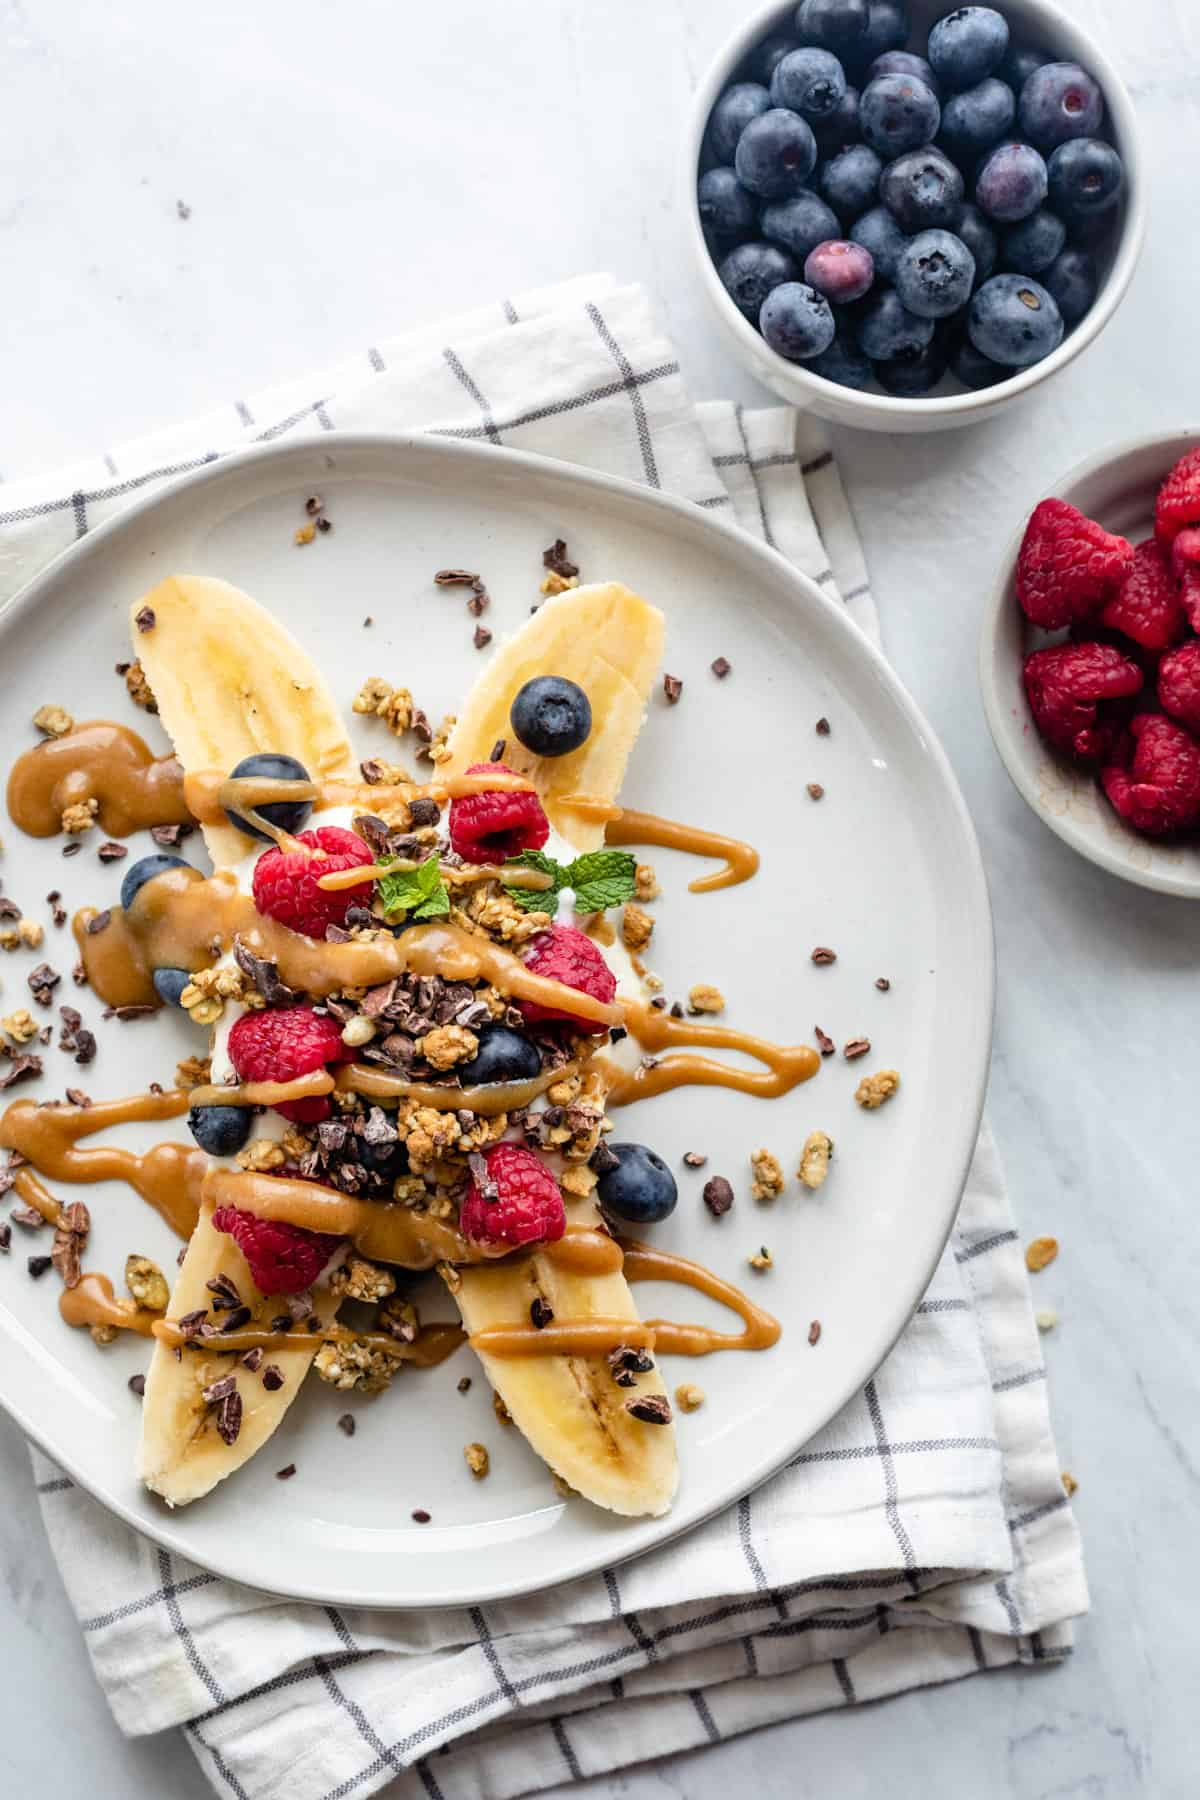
point(695, 520)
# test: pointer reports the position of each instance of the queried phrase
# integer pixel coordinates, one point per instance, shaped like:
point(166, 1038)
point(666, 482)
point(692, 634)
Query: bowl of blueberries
point(906, 216)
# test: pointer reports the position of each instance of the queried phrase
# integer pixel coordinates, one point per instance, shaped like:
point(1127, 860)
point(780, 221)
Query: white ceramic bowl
point(1035, 22)
point(1117, 488)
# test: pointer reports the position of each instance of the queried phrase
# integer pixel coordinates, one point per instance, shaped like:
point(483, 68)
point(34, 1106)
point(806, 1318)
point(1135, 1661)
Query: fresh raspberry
point(280, 1045)
point(1068, 565)
point(1146, 606)
point(284, 1259)
point(526, 1206)
point(1065, 685)
point(1179, 684)
point(285, 881)
point(566, 955)
point(488, 827)
point(1178, 504)
point(1155, 781)
point(1185, 561)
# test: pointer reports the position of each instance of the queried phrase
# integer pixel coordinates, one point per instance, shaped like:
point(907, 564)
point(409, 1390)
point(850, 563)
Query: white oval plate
point(885, 869)
point(1117, 488)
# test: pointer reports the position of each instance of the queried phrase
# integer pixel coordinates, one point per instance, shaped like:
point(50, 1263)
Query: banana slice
point(569, 1407)
point(608, 641)
point(229, 681)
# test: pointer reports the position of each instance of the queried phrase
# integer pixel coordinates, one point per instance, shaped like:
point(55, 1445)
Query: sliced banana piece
point(230, 681)
point(609, 642)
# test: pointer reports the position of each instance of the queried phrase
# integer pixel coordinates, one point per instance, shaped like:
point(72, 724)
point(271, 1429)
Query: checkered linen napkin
point(923, 1535)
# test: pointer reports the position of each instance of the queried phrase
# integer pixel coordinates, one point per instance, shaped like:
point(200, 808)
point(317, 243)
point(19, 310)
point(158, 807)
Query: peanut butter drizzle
point(35, 1193)
point(569, 1337)
point(264, 1093)
point(432, 1344)
point(488, 1101)
point(181, 920)
point(624, 826)
point(209, 791)
point(467, 876)
point(169, 1176)
point(103, 762)
point(786, 1065)
point(92, 1302)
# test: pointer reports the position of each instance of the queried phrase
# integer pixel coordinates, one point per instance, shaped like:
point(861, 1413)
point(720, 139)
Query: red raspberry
point(1155, 782)
point(284, 1259)
point(285, 881)
point(527, 1207)
point(1185, 560)
point(1179, 684)
point(1178, 504)
point(1146, 606)
point(489, 827)
point(278, 1046)
point(564, 954)
point(1065, 685)
point(1068, 565)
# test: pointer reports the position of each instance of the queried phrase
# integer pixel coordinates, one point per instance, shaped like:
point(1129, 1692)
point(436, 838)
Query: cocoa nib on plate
point(558, 562)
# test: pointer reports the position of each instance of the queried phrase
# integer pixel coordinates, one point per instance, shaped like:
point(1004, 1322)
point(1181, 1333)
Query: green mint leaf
point(602, 878)
point(420, 891)
point(536, 899)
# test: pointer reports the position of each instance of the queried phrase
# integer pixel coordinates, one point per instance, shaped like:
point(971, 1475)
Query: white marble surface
point(349, 169)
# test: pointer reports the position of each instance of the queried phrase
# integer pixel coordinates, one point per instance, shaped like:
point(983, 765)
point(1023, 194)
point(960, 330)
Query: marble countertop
point(344, 171)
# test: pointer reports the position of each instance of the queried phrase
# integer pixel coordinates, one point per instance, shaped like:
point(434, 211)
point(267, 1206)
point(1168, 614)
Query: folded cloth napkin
point(923, 1535)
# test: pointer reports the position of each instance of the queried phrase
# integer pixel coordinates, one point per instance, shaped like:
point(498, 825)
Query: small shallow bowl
point(1035, 22)
point(1117, 488)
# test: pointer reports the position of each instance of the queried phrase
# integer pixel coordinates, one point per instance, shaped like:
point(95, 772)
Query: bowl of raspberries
point(906, 215)
point(1090, 662)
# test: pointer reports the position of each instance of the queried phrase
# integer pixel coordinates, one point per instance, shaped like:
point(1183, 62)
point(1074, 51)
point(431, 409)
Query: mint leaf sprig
point(419, 893)
point(599, 878)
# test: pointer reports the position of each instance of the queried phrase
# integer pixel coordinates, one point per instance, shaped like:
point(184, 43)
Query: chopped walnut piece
point(393, 705)
point(1070, 1485)
point(873, 1090)
point(346, 1361)
point(637, 927)
point(358, 1030)
point(80, 817)
point(815, 1159)
point(688, 1397)
point(704, 998)
point(261, 1154)
point(1041, 1253)
point(193, 1071)
point(447, 1045)
point(762, 1261)
point(304, 534)
point(358, 1279)
point(501, 1411)
point(139, 689)
point(768, 1175)
point(53, 721)
point(646, 882)
point(147, 1283)
point(20, 1026)
point(478, 1460)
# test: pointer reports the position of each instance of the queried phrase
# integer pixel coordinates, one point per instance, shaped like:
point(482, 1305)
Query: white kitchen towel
point(922, 1536)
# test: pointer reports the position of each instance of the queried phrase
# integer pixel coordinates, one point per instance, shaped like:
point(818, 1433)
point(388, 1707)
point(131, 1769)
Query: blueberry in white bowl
point(798, 225)
point(967, 45)
point(1015, 321)
point(796, 321)
point(749, 273)
point(810, 82)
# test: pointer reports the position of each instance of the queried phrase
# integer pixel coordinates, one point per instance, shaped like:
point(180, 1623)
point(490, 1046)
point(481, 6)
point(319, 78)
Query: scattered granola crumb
point(447, 1045)
point(80, 817)
point(853, 1048)
point(1070, 1485)
point(359, 1279)
point(147, 1283)
point(672, 688)
point(873, 1090)
point(825, 1043)
point(348, 1424)
point(705, 998)
point(694, 1159)
point(883, 984)
point(688, 1397)
point(305, 534)
point(139, 689)
point(501, 1411)
point(562, 1488)
point(1041, 1253)
point(637, 927)
point(1046, 1320)
point(823, 956)
point(20, 1026)
point(646, 882)
point(762, 1261)
point(464, 1384)
point(393, 705)
point(286, 1473)
point(815, 791)
point(721, 667)
point(814, 1332)
point(478, 1460)
point(103, 1335)
point(554, 583)
point(823, 728)
point(53, 721)
point(768, 1175)
point(717, 1196)
point(815, 1159)
point(193, 1071)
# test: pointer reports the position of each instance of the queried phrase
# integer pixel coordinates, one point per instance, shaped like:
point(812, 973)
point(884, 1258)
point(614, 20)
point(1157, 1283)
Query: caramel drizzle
point(624, 826)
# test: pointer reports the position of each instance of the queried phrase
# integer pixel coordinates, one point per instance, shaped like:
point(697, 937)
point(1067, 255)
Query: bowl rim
point(997, 689)
point(973, 404)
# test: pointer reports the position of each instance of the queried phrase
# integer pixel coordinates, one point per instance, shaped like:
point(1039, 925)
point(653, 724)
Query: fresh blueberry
point(888, 28)
point(169, 984)
point(287, 815)
point(388, 1160)
point(1087, 231)
point(980, 240)
point(843, 363)
point(878, 232)
point(887, 329)
point(1086, 176)
point(144, 870)
point(923, 190)
point(840, 270)
point(898, 113)
point(850, 180)
point(641, 1189)
point(1019, 65)
point(968, 44)
point(1031, 246)
point(551, 716)
point(809, 82)
point(1012, 183)
point(913, 373)
point(1072, 280)
point(1060, 101)
point(837, 25)
point(726, 209)
point(503, 1055)
point(935, 274)
point(798, 225)
point(776, 153)
point(842, 125)
point(978, 118)
point(744, 101)
point(971, 366)
point(770, 54)
point(221, 1130)
point(1014, 321)
point(905, 62)
point(750, 272)
point(796, 321)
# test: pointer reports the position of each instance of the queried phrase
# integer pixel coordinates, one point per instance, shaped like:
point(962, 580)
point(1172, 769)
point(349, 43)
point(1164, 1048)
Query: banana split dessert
point(424, 1032)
